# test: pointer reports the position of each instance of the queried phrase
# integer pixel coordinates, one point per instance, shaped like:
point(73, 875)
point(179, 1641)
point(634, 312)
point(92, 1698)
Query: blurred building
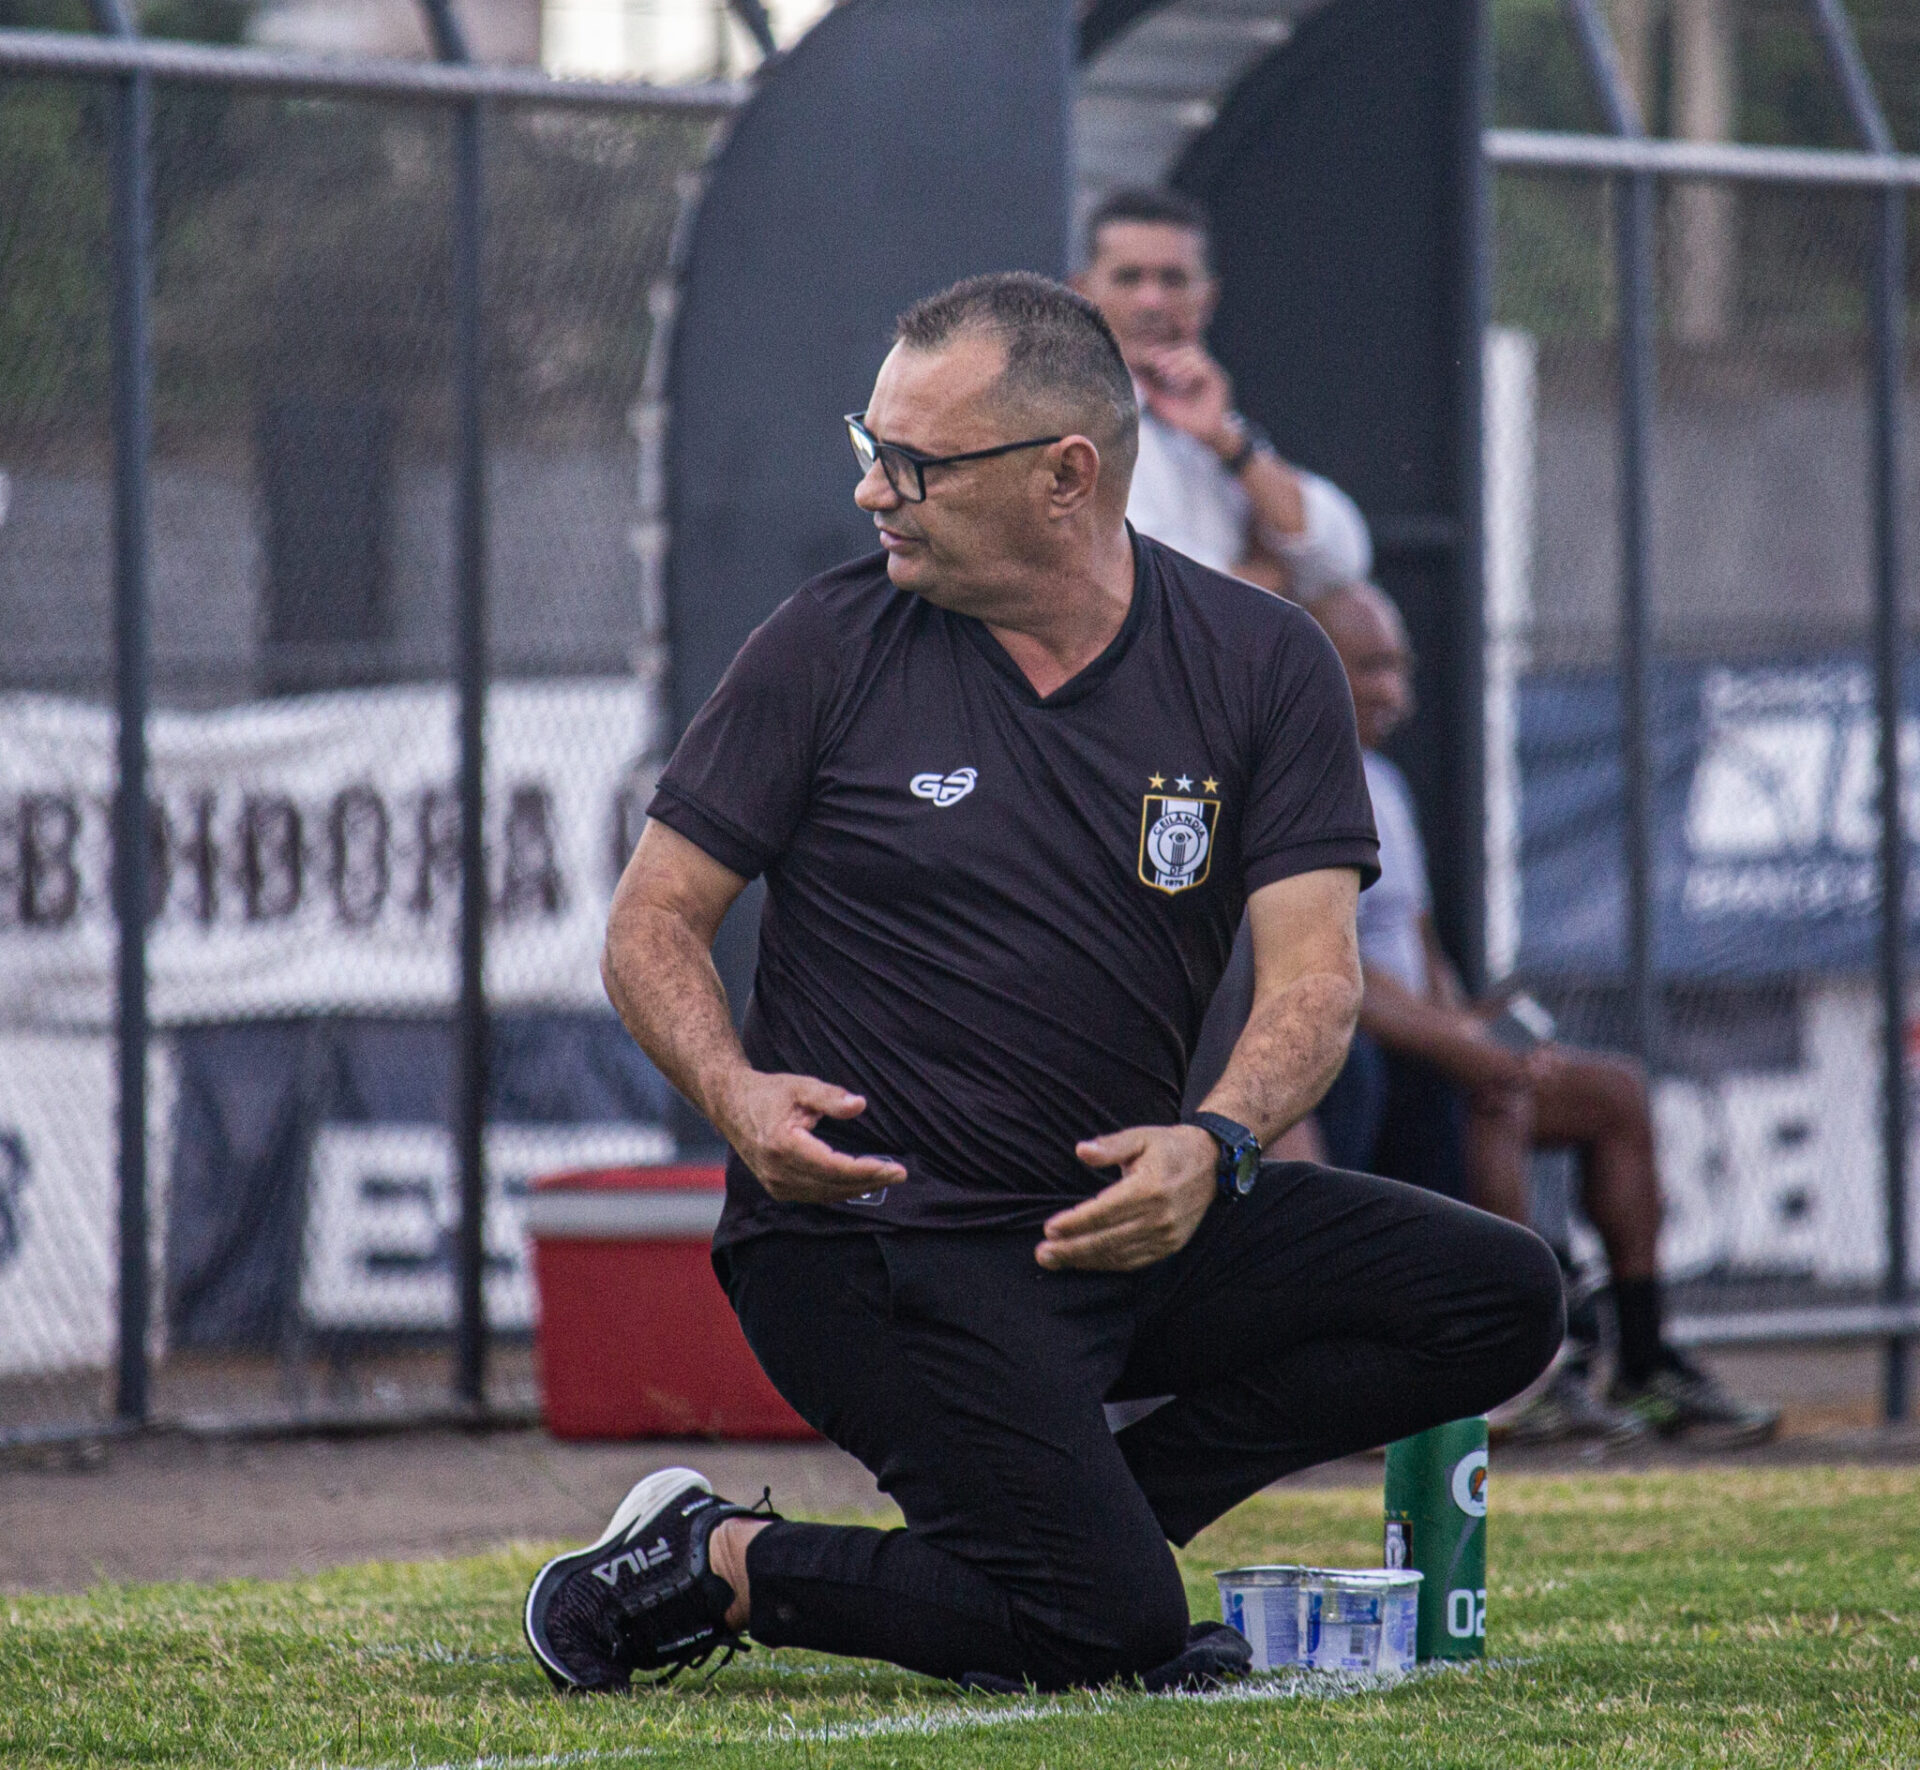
point(497, 30)
point(665, 40)
point(662, 40)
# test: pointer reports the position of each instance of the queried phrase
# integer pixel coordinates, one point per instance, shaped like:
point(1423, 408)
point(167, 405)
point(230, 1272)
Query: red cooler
point(636, 1337)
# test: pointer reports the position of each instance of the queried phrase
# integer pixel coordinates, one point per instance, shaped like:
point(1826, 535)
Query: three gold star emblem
point(1209, 785)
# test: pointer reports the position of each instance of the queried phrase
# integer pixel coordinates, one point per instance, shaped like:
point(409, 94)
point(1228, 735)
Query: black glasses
point(906, 468)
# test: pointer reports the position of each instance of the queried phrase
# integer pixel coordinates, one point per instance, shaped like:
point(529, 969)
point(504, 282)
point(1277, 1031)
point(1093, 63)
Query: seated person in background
point(1430, 1095)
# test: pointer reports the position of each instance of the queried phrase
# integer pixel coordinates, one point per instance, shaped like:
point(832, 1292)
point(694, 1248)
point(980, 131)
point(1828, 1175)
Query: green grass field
point(1704, 1617)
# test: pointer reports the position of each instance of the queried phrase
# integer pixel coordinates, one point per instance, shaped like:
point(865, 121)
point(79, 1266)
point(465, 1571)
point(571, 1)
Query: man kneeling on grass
point(1011, 782)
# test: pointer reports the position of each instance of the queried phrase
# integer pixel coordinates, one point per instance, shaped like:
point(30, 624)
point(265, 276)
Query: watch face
point(1246, 1167)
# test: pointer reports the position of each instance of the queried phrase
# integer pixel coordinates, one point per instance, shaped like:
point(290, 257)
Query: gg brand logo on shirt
point(1176, 835)
point(944, 789)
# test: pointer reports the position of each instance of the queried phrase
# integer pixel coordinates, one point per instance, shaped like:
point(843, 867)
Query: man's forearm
point(1291, 1049)
point(662, 984)
point(1273, 491)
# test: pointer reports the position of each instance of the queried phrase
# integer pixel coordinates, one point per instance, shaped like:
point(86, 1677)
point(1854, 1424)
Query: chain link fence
point(303, 858)
point(1766, 1036)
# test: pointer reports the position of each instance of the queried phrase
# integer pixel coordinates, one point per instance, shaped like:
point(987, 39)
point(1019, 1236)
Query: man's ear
point(1076, 474)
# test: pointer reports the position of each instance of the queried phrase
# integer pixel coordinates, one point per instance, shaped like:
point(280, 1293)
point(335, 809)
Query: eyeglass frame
point(856, 423)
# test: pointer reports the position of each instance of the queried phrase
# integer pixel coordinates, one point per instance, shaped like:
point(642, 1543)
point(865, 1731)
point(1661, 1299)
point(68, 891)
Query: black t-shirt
point(997, 916)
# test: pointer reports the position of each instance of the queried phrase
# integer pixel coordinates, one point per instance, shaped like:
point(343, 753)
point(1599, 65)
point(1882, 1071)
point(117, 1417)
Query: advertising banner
point(1766, 820)
point(304, 853)
point(59, 1262)
point(382, 1217)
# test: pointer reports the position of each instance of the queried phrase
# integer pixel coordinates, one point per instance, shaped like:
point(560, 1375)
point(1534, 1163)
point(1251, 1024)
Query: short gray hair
point(1062, 357)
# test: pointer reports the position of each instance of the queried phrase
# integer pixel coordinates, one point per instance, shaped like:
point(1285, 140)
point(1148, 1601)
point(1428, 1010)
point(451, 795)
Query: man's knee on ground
point(1118, 1629)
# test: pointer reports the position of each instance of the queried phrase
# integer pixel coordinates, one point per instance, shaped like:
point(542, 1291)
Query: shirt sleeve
point(1307, 804)
point(1335, 546)
point(742, 776)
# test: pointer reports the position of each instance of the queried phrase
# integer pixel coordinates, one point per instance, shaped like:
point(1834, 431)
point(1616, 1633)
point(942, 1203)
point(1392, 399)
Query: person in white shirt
point(1206, 483)
point(1432, 1093)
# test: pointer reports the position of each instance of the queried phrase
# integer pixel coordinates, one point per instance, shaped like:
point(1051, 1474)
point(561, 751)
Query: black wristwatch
point(1252, 440)
point(1239, 1153)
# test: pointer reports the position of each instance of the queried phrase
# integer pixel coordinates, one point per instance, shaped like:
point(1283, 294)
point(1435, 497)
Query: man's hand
point(769, 1123)
point(1187, 389)
point(1166, 1183)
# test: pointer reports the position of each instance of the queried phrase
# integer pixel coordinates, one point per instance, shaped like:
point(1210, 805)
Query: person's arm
point(1451, 1039)
point(1444, 988)
point(1330, 546)
point(660, 978)
point(1306, 990)
point(1304, 535)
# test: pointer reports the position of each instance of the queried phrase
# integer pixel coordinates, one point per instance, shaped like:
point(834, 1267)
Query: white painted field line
point(964, 1718)
point(612, 1754)
point(958, 1718)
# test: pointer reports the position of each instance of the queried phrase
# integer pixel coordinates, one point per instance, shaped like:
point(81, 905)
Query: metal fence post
point(1633, 246)
point(471, 1031)
point(1633, 206)
point(132, 382)
point(1888, 310)
point(1889, 328)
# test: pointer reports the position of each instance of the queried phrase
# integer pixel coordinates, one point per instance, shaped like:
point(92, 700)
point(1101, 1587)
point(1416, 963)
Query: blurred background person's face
point(1371, 639)
point(1150, 279)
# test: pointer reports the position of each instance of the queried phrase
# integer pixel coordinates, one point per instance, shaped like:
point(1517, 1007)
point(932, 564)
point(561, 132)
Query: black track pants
point(1328, 1313)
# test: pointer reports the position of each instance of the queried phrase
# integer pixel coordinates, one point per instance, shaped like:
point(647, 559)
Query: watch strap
point(1252, 440)
point(1234, 1139)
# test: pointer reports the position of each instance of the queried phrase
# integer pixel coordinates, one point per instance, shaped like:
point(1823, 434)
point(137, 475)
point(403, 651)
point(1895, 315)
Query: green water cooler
point(1437, 1522)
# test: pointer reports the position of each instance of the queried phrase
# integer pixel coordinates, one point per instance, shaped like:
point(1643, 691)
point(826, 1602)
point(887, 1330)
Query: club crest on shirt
point(1176, 840)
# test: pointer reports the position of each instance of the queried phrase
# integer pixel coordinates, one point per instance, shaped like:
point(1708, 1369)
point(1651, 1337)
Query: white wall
point(663, 40)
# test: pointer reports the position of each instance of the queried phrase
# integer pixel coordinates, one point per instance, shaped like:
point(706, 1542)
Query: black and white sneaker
point(642, 1598)
point(1215, 1652)
point(1680, 1397)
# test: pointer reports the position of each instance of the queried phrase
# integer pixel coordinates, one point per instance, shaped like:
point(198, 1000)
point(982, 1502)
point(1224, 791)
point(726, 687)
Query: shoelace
point(732, 1641)
point(734, 1645)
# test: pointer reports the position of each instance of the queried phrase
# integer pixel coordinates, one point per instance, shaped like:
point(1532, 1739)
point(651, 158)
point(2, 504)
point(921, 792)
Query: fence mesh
point(1765, 897)
point(304, 846)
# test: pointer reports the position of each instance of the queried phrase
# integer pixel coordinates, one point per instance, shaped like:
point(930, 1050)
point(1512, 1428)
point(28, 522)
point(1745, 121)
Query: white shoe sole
point(646, 1498)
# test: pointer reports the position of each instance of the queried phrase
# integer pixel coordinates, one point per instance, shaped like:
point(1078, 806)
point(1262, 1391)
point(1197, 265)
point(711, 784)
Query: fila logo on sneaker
point(634, 1561)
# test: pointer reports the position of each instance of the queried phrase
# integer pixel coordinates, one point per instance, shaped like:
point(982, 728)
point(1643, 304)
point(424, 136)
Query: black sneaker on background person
point(1566, 1410)
point(641, 1598)
point(1678, 1396)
